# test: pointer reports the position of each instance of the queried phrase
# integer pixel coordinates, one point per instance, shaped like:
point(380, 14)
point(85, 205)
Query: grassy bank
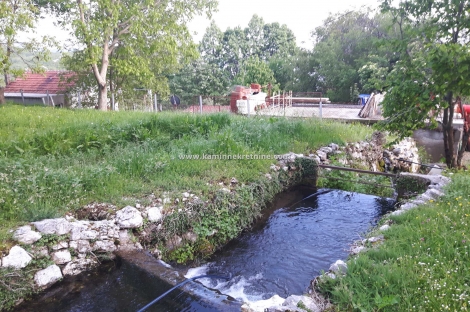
point(53, 160)
point(423, 265)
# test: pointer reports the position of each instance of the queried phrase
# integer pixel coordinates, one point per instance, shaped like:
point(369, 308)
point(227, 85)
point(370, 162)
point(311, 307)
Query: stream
point(297, 238)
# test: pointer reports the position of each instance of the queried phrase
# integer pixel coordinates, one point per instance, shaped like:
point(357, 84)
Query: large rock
point(48, 276)
point(81, 246)
point(129, 218)
point(174, 242)
point(125, 242)
point(263, 305)
point(293, 302)
point(322, 155)
point(339, 267)
point(27, 236)
point(91, 230)
point(60, 245)
point(17, 258)
point(154, 214)
point(58, 226)
point(104, 246)
point(61, 257)
point(106, 229)
point(81, 230)
point(77, 266)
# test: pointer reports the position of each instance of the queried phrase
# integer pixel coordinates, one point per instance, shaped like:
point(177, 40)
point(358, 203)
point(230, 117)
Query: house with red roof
point(48, 88)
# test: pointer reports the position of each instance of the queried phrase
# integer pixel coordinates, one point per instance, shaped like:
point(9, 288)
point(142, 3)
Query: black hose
point(180, 284)
point(424, 165)
point(311, 195)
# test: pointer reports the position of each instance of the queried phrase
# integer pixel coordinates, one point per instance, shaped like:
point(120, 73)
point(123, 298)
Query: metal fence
point(199, 104)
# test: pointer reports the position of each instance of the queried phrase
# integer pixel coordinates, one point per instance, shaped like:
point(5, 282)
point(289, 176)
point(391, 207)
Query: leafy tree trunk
point(100, 76)
point(7, 57)
point(103, 98)
point(101, 79)
point(448, 129)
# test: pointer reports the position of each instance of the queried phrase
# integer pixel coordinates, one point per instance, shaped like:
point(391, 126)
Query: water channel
point(299, 236)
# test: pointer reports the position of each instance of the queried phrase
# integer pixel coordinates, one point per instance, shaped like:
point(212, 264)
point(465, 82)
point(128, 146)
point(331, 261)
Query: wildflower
point(422, 239)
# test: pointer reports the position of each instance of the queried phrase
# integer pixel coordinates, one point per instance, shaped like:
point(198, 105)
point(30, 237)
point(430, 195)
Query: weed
point(302, 306)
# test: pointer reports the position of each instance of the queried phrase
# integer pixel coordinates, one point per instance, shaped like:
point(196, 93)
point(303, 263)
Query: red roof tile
point(50, 82)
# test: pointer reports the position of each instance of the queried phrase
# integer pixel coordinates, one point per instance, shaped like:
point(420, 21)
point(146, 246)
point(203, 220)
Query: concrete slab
point(328, 111)
point(435, 171)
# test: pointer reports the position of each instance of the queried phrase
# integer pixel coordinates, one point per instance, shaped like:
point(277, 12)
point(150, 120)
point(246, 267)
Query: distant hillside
point(53, 64)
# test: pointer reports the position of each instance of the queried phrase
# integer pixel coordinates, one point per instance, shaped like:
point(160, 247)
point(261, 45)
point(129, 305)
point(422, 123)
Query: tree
point(433, 68)
point(372, 76)
point(229, 49)
point(278, 40)
point(149, 38)
point(199, 78)
point(17, 17)
point(344, 44)
point(296, 72)
point(255, 70)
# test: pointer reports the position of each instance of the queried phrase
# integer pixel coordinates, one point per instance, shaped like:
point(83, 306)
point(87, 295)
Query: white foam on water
point(256, 277)
point(193, 272)
point(235, 287)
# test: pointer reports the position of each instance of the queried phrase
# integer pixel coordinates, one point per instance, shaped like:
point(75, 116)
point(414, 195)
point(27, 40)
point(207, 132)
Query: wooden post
point(22, 95)
point(200, 104)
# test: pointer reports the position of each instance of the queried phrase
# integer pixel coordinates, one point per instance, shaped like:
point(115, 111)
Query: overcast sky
point(301, 16)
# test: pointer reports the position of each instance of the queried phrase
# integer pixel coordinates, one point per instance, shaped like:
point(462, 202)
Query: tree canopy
point(348, 51)
point(237, 56)
point(433, 67)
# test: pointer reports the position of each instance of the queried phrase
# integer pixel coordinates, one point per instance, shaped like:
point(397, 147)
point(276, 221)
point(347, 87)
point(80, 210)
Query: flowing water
point(299, 236)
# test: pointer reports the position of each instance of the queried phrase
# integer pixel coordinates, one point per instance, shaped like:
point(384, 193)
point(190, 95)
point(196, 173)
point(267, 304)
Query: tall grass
point(423, 265)
point(54, 160)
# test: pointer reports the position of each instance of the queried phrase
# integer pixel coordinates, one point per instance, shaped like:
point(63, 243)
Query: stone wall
point(373, 155)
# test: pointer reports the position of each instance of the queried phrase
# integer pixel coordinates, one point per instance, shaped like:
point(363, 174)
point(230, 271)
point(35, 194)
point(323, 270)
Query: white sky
point(301, 16)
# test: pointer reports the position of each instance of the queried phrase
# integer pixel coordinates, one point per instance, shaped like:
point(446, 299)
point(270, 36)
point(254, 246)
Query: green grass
point(56, 160)
point(423, 265)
